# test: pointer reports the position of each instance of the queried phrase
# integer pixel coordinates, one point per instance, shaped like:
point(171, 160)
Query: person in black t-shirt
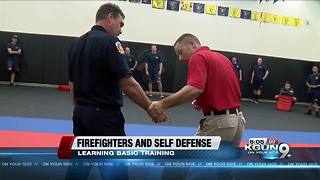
point(131, 60)
point(153, 67)
point(259, 74)
point(14, 56)
point(313, 84)
point(237, 67)
point(98, 72)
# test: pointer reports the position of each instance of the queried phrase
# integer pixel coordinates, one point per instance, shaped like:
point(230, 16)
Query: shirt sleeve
point(253, 69)
point(116, 60)
point(134, 59)
point(197, 73)
point(281, 91)
point(308, 79)
point(8, 47)
point(161, 57)
point(144, 57)
point(291, 92)
point(264, 70)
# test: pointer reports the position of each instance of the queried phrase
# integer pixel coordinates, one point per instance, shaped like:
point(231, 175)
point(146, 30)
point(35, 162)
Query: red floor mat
point(18, 139)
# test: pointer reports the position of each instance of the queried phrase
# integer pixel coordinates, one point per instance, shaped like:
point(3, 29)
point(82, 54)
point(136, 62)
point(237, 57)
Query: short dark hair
point(186, 36)
point(108, 8)
point(287, 82)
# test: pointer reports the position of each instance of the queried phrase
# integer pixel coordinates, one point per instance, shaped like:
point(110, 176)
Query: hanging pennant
point(211, 9)
point(158, 4)
point(223, 11)
point(198, 8)
point(245, 14)
point(173, 5)
point(235, 12)
point(186, 6)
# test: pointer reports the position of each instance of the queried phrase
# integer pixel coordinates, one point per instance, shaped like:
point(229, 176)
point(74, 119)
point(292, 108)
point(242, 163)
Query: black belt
point(98, 107)
point(231, 111)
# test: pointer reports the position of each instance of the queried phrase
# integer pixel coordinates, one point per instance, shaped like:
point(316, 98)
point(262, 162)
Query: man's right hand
point(194, 104)
point(147, 73)
point(161, 118)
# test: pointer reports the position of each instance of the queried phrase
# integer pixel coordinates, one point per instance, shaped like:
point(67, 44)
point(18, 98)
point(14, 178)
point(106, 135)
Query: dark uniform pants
point(13, 64)
point(313, 95)
point(153, 76)
point(97, 121)
point(257, 84)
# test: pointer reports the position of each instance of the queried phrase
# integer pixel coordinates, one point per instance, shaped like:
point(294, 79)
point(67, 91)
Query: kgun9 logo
point(268, 147)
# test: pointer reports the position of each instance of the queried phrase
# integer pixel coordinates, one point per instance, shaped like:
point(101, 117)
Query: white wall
point(145, 24)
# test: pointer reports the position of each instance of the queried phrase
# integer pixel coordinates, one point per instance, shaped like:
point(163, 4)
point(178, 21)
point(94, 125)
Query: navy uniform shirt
point(130, 60)
point(314, 79)
point(14, 47)
point(237, 68)
point(96, 64)
point(153, 61)
point(259, 71)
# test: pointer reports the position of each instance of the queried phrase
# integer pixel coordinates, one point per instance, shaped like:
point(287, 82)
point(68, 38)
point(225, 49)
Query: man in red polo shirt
point(214, 86)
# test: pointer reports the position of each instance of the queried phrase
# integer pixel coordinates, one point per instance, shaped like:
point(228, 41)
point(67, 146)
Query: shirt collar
point(98, 28)
point(202, 48)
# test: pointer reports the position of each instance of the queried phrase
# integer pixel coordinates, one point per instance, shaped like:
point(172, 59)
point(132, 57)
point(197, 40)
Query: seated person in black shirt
point(286, 90)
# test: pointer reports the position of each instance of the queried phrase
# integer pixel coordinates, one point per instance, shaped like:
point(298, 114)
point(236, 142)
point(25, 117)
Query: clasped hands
point(156, 112)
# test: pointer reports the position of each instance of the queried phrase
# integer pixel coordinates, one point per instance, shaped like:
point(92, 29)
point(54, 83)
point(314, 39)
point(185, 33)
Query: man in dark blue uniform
point(14, 55)
point(153, 67)
point(259, 74)
point(98, 73)
point(237, 67)
point(313, 83)
point(131, 60)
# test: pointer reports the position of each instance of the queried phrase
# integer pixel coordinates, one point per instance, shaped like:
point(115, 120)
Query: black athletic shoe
point(317, 114)
point(308, 113)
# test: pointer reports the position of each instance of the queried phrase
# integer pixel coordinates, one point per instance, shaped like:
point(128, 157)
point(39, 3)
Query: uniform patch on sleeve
point(119, 47)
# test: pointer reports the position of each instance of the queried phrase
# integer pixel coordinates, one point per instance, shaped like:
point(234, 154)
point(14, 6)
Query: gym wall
point(47, 29)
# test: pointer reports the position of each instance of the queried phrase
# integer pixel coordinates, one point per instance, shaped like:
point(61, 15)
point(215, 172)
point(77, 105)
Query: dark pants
point(313, 96)
point(97, 121)
point(257, 84)
point(153, 76)
point(13, 64)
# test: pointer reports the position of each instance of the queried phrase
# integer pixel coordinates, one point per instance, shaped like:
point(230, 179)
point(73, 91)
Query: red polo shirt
point(213, 73)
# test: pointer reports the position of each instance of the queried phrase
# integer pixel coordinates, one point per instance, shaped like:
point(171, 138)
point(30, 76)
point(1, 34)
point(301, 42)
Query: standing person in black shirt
point(259, 74)
point(98, 72)
point(237, 67)
point(14, 56)
point(131, 60)
point(153, 67)
point(313, 84)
